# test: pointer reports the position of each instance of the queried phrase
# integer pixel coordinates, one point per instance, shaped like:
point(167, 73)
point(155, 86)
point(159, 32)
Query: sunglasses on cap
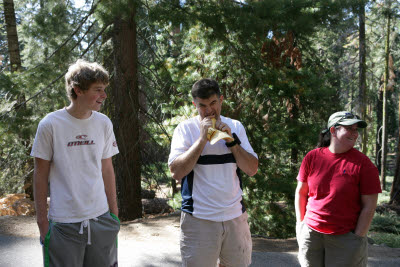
point(348, 116)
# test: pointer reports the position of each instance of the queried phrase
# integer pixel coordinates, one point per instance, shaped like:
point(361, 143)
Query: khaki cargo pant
point(203, 242)
point(317, 249)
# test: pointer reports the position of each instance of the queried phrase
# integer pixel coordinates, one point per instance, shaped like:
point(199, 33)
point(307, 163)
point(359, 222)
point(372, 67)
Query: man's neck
point(75, 111)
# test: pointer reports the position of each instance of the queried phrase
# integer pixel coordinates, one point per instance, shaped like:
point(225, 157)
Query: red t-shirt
point(336, 183)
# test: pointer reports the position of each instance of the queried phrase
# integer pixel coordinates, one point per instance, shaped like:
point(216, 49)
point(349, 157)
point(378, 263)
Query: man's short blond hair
point(83, 74)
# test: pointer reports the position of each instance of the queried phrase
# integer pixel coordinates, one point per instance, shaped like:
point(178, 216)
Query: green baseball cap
point(345, 118)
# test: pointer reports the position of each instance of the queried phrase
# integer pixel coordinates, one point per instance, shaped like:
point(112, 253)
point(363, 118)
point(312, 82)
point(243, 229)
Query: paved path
point(26, 252)
point(155, 242)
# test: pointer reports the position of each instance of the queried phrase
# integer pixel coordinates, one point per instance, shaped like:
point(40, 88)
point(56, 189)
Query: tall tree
point(15, 66)
point(362, 72)
point(384, 108)
point(12, 35)
point(395, 190)
point(125, 115)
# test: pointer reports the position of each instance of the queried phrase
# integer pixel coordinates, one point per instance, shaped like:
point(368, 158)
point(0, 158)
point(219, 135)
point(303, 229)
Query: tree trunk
point(362, 74)
point(395, 190)
point(384, 109)
point(12, 35)
point(293, 136)
point(20, 106)
point(125, 116)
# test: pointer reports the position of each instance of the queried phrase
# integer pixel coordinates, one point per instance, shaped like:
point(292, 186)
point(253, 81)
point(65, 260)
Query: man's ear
point(221, 98)
point(194, 103)
point(78, 91)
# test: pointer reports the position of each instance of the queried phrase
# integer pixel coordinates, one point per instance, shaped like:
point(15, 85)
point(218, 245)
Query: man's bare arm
point(184, 164)
point(107, 170)
point(245, 161)
point(40, 185)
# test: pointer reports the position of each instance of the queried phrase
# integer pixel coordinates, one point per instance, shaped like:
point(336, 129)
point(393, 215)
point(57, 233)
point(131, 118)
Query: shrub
point(387, 222)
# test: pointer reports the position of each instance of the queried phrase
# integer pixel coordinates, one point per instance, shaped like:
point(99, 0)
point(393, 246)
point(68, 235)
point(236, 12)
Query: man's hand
point(219, 125)
point(43, 229)
point(204, 125)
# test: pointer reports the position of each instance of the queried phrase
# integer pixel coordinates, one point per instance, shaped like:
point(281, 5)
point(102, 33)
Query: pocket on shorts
point(116, 222)
point(357, 237)
point(115, 217)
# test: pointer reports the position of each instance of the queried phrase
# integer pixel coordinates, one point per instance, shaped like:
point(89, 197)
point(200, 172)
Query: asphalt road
point(24, 251)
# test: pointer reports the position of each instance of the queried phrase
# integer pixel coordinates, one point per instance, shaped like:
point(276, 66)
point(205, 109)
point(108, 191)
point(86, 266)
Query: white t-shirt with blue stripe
point(212, 191)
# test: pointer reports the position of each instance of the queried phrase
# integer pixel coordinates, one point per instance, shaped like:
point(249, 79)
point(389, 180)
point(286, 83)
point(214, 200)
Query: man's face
point(93, 98)
point(209, 107)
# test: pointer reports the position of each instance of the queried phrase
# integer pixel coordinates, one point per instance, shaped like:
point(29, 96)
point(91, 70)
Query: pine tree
point(12, 35)
point(125, 114)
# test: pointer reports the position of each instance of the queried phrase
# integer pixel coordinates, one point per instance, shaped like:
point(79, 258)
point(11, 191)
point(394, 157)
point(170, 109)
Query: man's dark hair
point(205, 88)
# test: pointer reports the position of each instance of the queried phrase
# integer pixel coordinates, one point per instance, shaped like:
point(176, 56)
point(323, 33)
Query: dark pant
point(64, 245)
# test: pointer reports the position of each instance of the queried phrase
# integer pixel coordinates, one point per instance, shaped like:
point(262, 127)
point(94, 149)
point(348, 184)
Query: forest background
point(283, 67)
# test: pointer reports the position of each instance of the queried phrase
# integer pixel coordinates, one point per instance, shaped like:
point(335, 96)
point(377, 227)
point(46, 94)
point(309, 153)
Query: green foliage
point(385, 226)
point(385, 229)
point(390, 240)
point(176, 201)
point(14, 164)
point(384, 197)
point(154, 174)
point(387, 222)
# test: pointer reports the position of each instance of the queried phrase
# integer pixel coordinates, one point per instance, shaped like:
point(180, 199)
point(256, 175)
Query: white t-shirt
point(75, 148)
point(212, 191)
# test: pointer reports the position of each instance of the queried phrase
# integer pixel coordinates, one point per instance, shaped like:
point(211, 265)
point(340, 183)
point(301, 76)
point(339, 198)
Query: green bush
point(388, 239)
point(387, 222)
point(384, 197)
point(155, 173)
point(176, 201)
point(385, 229)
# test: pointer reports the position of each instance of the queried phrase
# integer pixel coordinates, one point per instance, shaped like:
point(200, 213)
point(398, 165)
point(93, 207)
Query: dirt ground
point(165, 229)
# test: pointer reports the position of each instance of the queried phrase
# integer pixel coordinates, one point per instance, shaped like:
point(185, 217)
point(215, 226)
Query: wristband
point(236, 141)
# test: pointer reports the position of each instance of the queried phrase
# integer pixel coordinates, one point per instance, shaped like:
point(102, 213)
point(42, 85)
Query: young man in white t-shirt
point(73, 152)
point(214, 221)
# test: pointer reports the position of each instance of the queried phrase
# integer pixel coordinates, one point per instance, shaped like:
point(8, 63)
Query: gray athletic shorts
point(72, 244)
point(317, 249)
point(203, 242)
